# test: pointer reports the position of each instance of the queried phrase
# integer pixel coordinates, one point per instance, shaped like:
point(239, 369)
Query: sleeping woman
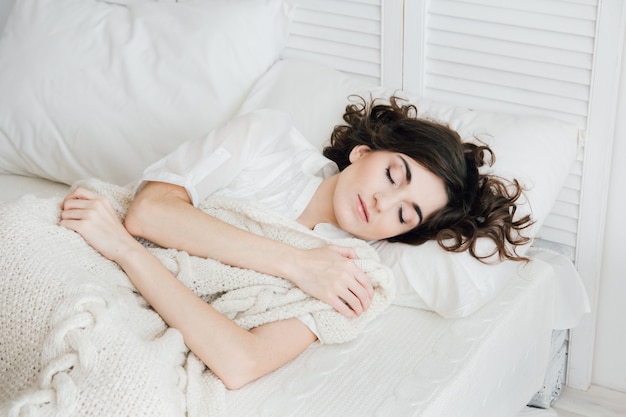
point(385, 175)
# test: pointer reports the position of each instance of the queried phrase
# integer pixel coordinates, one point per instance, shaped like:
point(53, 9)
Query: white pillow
point(5, 8)
point(537, 151)
point(104, 88)
point(314, 95)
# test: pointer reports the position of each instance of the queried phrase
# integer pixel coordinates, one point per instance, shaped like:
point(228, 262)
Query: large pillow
point(104, 88)
point(535, 150)
point(5, 8)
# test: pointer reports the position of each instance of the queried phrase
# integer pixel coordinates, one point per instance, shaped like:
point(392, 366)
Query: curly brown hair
point(479, 205)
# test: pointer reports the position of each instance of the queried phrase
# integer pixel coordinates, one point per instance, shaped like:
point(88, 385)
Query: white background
point(609, 366)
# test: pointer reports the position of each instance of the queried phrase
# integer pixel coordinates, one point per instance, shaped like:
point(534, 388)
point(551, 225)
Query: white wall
point(609, 365)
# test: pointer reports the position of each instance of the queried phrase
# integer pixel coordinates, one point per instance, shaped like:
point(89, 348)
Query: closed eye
point(400, 217)
point(388, 172)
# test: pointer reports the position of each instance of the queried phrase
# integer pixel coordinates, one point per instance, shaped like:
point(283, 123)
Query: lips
point(363, 210)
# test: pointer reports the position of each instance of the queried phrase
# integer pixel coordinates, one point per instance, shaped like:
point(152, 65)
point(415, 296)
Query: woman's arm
point(163, 213)
point(235, 355)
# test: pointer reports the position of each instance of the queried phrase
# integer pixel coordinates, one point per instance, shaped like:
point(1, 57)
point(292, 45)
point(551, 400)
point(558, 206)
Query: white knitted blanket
point(76, 339)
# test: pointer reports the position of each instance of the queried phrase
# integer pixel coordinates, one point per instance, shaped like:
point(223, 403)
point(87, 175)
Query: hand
point(92, 216)
point(328, 274)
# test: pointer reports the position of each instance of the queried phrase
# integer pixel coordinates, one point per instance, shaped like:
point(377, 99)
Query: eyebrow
point(419, 213)
point(409, 176)
point(408, 173)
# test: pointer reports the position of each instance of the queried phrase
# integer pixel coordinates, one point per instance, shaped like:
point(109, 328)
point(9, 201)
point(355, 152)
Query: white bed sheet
point(409, 362)
point(15, 186)
point(415, 363)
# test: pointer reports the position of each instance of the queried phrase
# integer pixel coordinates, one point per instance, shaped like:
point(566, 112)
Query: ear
point(359, 151)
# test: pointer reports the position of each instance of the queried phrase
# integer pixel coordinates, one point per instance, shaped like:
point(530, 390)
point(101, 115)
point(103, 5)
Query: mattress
point(409, 362)
point(14, 186)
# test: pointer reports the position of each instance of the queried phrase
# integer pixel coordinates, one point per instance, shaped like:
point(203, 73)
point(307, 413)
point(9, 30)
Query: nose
point(384, 200)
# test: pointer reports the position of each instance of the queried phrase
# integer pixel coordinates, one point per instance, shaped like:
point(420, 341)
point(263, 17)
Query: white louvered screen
point(519, 56)
point(348, 35)
point(531, 57)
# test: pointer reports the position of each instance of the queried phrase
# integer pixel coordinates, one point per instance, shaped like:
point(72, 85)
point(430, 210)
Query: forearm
point(166, 218)
point(235, 355)
point(162, 213)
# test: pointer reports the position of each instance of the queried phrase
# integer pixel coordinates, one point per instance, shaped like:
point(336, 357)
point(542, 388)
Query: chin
point(362, 236)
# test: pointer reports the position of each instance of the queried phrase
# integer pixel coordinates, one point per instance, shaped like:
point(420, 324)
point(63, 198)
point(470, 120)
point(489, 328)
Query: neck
point(321, 209)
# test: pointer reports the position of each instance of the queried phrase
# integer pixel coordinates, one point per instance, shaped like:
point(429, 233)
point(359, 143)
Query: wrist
point(289, 263)
point(127, 252)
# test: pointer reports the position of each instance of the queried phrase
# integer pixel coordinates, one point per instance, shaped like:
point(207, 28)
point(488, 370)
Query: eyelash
point(388, 172)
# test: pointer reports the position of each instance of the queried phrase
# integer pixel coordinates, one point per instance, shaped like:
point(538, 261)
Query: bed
point(103, 88)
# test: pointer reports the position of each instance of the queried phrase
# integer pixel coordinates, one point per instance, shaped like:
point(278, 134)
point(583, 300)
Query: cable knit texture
point(76, 339)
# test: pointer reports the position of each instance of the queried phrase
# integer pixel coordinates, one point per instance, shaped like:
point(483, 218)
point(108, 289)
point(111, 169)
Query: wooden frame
point(596, 170)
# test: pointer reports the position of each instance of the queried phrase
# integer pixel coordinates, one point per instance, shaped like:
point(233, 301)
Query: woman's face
point(383, 194)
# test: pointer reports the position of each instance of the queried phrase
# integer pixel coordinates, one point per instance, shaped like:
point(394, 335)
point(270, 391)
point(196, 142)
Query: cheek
point(342, 207)
point(388, 227)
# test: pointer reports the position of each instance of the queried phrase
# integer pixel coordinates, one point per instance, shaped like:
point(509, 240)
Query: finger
point(366, 283)
point(344, 251)
point(90, 202)
point(76, 204)
point(352, 301)
point(76, 208)
point(71, 224)
point(71, 195)
point(362, 297)
point(84, 193)
point(77, 213)
point(75, 225)
point(360, 284)
point(342, 308)
point(78, 194)
point(70, 214)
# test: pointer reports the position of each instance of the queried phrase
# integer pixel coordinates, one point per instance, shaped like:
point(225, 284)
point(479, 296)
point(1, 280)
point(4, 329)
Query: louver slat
point(343, 34)
point(531, 57)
